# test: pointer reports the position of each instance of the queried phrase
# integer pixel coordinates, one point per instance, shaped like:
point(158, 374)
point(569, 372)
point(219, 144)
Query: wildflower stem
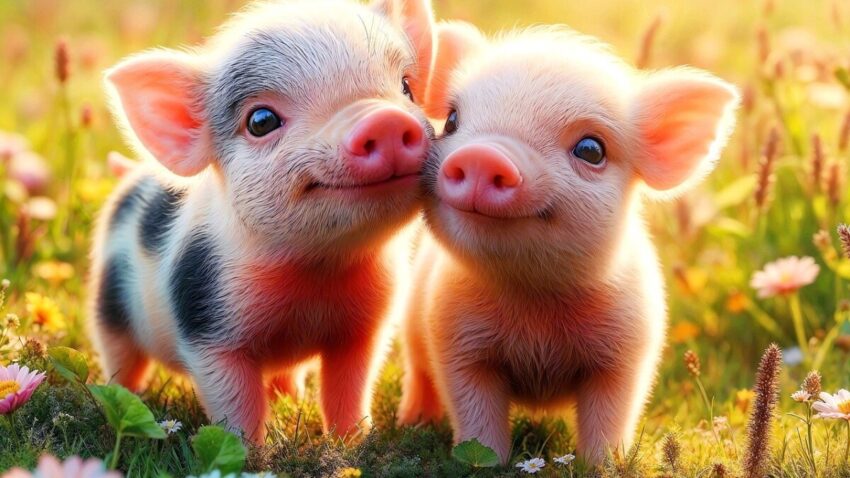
point(15, 438)
point(710, 410)
point(811, 442)
point(847, 447)
point(799, 330)
point(114, 461)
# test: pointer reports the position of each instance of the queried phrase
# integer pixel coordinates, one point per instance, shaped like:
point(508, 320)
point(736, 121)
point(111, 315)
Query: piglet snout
point(480, 178)
point(386, 142)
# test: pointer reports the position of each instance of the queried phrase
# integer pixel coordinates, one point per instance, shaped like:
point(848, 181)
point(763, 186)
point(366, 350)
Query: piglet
point(538, 284)
point(292, 147)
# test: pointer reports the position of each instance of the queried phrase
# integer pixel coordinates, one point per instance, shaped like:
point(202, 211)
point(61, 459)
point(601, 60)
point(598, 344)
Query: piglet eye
point(451, 123)
point(405, 88)
point(590, 150)
point(263, 121)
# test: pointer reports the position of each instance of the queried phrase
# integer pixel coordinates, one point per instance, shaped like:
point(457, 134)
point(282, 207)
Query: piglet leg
point(419, 401)
point(608, 407)
point(478, 407)
point(124, 361)
point(231, 389)
point(344, 387)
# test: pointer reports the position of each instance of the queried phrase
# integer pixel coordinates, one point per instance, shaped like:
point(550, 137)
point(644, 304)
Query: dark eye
point(262, 122)
point(590, 150)
point(451, 123)
point(405, 88)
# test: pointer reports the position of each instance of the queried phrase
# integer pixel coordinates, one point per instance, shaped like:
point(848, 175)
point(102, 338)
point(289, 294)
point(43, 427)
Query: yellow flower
point(350, 472)
point(743, 398)
point(736, 302)
point(43, 311)
point(94, 190)
point(54, 271)
point(683, 332)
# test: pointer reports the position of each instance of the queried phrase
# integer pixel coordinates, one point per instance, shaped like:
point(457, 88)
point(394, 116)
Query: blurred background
point(781, 181)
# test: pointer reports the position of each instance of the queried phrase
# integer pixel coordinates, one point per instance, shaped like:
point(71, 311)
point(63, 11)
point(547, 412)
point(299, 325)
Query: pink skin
point(304, 221)
point(538, 284)
point(480, 178)
point(386, 144)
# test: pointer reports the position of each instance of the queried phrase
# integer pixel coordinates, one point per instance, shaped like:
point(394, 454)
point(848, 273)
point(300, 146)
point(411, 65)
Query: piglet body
point(293, 147)
point(538, 284)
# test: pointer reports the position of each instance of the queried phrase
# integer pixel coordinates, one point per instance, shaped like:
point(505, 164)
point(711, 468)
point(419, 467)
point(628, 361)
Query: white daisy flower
point(215, 474)
point(834, 406)
point(565, 460)
point(801, 396)
point(531, 466)
point(170, 426)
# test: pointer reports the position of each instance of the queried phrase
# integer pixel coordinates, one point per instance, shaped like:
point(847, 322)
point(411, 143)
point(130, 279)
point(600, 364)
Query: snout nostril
point(499, 181)
point(455, 174)
point(369, 146)
point(411, 139)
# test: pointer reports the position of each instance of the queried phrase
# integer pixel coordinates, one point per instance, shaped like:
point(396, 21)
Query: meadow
point(779, 192)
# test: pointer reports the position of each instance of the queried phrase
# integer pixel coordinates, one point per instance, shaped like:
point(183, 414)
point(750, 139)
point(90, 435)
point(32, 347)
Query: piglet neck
point(251, 247)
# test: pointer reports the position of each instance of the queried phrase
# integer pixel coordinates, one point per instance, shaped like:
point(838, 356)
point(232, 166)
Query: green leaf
point(126, 412)
point(472, 452)
point(69, 363)
point(219, 449)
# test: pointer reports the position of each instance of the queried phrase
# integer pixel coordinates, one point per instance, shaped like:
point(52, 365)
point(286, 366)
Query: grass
point(790, 58)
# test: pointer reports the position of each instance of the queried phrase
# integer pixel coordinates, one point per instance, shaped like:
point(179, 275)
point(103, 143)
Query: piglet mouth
point(477, 213)
point(394, 180)
point(544, 214)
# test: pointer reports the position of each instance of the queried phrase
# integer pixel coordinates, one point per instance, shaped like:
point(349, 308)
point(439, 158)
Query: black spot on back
point(112, 308)
point(160, 212)
point(130, 202)
point(196, 290)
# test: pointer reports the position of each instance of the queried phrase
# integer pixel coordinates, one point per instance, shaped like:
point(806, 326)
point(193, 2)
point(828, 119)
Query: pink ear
point(684, 117)
point(455, 42)
point(158, 94)
point(416, 18)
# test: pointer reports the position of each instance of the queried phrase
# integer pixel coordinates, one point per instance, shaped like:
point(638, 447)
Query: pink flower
point(16, 386)
point(834, 406)
point(11, 144)
point(74, 467)
point(784, 276)
point(30, 169)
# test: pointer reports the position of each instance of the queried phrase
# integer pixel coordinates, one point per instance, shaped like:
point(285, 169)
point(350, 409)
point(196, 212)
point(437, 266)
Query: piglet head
point(548, 140)
point(306, 112)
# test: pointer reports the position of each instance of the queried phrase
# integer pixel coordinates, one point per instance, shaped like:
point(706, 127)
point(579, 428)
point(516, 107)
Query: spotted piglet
point(539, 284)
point(292, 147)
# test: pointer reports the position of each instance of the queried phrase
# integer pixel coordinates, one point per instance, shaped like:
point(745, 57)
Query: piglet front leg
point(608, 408)
point(231, 389)
point(478, 406)
point(345, 392)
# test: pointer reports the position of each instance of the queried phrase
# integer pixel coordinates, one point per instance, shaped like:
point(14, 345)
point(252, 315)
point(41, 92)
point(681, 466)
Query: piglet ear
point(416, 18)
point(455, 42)
point(158, 94)
point(684, 118)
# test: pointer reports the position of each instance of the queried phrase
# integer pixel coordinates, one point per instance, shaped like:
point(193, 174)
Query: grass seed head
point(844, 236)
point(672, 450)
point(62, 59)
point(761, 417)
point(692, 363)
point(811, 384)
point(766, 165)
